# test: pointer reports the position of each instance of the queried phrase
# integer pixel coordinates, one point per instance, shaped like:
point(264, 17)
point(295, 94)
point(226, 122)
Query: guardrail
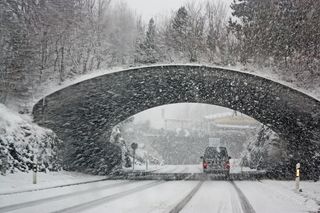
point(189, 176)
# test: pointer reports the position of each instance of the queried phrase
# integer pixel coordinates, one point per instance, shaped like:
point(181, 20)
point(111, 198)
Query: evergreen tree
point(139, 56)
point(279, 30)
point(147, 51)
point(150, 35)
point(218, 41)
point(184, 35)
point(151, 49)
point(177, 32)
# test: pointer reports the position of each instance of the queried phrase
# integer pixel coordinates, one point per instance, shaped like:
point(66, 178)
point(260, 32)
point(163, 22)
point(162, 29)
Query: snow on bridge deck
point(51, 87)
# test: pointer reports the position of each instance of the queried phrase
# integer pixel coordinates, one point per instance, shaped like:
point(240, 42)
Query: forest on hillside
point(54, 40)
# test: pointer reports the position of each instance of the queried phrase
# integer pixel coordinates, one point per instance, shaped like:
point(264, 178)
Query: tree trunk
point(44, 57)
point(55, 64)
point(85, 62)
point(62, 64)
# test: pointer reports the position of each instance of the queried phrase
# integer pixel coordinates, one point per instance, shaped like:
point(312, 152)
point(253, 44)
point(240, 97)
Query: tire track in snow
point(235, 201)
point(245, 204)
point(59, 197)
point(109, 198)
point(186, 199)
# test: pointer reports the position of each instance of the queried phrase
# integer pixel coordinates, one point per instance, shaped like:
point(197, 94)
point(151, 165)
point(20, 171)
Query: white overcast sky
point(153, 8)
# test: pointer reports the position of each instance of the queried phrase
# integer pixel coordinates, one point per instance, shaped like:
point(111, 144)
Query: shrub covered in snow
point(267, 151)
point(127, 153)
point(23, 143)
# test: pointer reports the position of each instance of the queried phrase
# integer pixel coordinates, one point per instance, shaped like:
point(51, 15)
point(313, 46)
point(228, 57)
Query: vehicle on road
point(216, 160)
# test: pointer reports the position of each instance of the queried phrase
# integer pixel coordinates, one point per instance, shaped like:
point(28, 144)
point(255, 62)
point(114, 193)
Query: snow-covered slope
point(22, 143)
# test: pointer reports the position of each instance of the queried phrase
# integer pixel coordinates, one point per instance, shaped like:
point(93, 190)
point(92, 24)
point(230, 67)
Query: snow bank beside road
point(310, 189)
point(20, 181)
point(269, 196)
point(22, 143)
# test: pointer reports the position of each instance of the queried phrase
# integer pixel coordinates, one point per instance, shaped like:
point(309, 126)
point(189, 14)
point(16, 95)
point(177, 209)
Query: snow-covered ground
point(235, 167)
point(143, 168)
point(269, 197)
point(161, 196)
point(152, 196)
point(310, 189)
point(20, 181)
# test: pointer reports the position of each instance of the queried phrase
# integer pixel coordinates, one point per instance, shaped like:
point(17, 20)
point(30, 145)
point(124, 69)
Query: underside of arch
point(86, 110)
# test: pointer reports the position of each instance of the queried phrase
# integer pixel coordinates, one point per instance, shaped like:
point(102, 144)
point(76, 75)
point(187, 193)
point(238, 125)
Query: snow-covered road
point(84, 193)
point(161, 196)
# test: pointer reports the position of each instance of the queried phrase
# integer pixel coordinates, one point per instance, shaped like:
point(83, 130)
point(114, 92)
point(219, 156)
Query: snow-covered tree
point(281, 33)
point(24, 144)
point(177, 32)
point(185, 33)
point(268, 151)
point(147, 51)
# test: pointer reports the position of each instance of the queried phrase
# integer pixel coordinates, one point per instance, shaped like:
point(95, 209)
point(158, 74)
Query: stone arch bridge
point(83, 112)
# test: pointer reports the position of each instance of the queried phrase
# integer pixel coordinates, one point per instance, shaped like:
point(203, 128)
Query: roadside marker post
point(35, 170)
point(298, 177)
point(134, 146)
point(34, 173)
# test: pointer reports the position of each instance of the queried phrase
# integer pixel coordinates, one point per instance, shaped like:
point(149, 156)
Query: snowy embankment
point(141, 164)
point(236, 167)
point(142, 168)
point(23, 143)
point(278, 196)
point(310, 189)
point(19, 182)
